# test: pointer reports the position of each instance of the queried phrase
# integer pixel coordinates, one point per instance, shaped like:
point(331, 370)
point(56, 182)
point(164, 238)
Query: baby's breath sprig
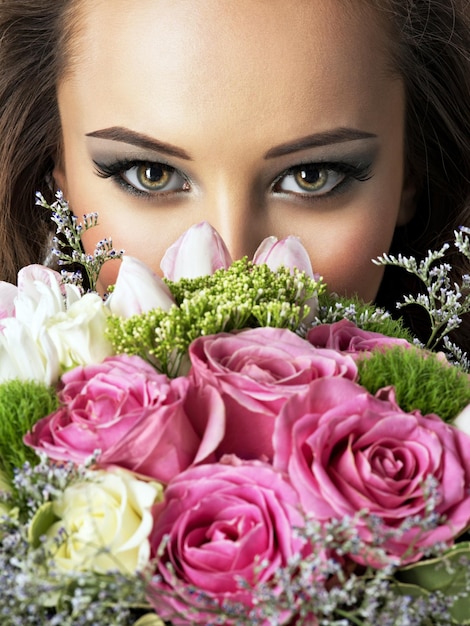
point(318, 586)
point(323, 586)
point(38, 483)
point(244, 295)
point(67, 242)
point(445, 302)
point(33, 590)
point(334, 308)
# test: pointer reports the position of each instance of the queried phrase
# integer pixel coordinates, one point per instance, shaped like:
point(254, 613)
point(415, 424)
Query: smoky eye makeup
point(142, 177)
point(322, 179)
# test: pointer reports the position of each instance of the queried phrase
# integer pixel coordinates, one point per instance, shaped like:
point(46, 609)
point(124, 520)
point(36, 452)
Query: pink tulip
point(138, 290)
point(32, 274)
point(288, 252)
point(200, 251)
point(8, 294)
point(29, 278)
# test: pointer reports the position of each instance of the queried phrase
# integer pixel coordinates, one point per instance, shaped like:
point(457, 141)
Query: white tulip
point(462, 421)
point(137, 290)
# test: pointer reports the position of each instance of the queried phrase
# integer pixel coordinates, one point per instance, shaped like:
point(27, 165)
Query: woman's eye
point(310, 179)
point(154, 177)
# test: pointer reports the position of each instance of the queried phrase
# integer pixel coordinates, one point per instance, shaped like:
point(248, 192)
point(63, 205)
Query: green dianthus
point(22, 404)
point(424, 383)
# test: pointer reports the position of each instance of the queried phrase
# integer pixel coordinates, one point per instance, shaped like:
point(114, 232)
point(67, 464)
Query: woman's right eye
point(144, 177)
point(153, 177)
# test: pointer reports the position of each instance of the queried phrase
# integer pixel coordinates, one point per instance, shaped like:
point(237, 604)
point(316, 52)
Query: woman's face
point(263, 117)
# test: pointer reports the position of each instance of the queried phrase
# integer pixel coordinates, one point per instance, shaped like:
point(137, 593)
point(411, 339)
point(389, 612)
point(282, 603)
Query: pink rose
point(138, 419)
point(345, 336)
point(255, 372)
point(222, 522)
point(347, 451)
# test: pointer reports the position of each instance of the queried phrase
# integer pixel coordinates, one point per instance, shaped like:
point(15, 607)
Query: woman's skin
point(263, 117)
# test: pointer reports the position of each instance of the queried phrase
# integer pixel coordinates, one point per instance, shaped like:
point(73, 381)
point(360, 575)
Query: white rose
point(102, 524)
point(26, 357)
point(78, 333)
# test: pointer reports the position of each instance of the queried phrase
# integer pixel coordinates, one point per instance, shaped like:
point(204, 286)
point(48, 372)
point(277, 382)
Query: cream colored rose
point(100, 524)
point(150, 619)
point(5, 488)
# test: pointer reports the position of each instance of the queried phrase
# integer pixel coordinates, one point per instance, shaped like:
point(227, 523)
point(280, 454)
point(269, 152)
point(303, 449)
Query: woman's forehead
point(187, 60)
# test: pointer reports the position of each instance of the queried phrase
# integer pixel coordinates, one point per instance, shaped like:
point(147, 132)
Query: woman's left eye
point(317, 179)
point(154, 177)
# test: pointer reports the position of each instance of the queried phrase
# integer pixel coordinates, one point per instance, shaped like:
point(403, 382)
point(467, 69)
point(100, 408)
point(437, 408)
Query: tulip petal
point(137, 290)
point(288, 252)
point(200, 251)
point(462, 421)
point(8, 294)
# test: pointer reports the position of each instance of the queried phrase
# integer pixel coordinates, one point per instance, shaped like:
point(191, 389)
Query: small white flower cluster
point(67, 246)
point(445, 302)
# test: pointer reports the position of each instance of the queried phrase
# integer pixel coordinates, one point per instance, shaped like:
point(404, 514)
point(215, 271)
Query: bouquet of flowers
point(231, 444)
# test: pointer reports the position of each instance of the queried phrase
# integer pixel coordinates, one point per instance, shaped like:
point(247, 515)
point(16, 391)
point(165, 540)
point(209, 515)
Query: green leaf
point(448, 573)
point(41, 523)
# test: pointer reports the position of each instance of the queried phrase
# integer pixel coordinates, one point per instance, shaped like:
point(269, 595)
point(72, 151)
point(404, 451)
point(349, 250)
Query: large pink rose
point(256, 371)
point(222, 521)
point(345, 336)
point(137, 418)
point(347, 451)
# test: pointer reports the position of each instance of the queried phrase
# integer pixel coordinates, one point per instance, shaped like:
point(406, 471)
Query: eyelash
point(117, 169)
point(351, 172)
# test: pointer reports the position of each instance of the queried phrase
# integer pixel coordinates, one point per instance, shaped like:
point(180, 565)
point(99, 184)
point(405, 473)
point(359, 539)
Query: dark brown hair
point(31, 60)
point(430, 44)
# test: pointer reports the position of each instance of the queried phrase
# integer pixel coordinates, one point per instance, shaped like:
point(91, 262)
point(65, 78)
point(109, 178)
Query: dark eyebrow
point(118, 133)
point(337, 135)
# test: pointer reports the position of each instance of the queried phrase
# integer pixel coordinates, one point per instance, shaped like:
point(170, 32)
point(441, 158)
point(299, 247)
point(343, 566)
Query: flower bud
point(8, 294)
point(288, 252)
point(137, 290)
point(462, 421)
point(200, 251)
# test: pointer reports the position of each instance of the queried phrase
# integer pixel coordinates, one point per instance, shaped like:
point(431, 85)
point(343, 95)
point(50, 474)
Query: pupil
point(154, 173)
point(310, 175)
